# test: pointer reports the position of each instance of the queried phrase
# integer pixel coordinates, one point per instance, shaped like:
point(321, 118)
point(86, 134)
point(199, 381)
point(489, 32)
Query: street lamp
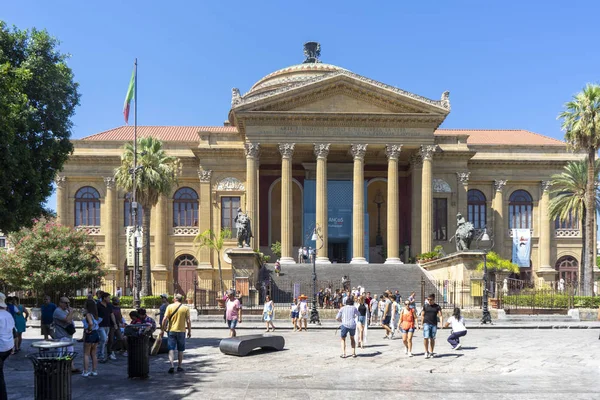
point(485, 243)
point(379, 201)
point(314, 313)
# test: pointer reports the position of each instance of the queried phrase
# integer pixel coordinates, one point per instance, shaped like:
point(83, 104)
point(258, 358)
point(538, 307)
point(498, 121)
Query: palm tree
point(208, 240)
point(156, 177)
point(581, 123)
point(569, 190)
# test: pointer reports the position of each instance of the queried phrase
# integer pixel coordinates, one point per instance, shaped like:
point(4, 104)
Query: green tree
point(276, 249)
point(569, 190)
point(37, 100)
point(49, 258)
point(208, 240)
point(495, 263)
point(156, 176)
point(581, 123)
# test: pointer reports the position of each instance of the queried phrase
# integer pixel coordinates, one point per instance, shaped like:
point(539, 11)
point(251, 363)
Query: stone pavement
point(494, 363)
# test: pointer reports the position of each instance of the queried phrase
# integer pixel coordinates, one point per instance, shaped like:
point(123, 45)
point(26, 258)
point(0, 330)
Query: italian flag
point(130, 95)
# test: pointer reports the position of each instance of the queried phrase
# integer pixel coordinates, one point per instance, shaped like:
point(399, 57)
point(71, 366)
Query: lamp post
point(314, 313)
point(486, 244)
point(379, 201)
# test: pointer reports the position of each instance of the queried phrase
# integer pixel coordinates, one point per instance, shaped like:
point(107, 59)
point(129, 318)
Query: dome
point(309, 69)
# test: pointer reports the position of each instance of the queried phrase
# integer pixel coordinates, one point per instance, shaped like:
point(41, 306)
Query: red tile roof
point(164, 133)
point(190, 134)
point(517, 137)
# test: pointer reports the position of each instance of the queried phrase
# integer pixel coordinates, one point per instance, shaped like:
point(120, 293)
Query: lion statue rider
point(244, 231)
point(464, 233)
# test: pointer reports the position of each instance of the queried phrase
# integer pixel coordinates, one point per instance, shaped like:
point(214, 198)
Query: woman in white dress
point(268, 311)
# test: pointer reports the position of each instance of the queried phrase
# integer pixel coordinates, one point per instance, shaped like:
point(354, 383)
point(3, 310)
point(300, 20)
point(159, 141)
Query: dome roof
point(293, 74)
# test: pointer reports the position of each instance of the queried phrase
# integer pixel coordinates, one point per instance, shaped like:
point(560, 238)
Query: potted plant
point(189, 296)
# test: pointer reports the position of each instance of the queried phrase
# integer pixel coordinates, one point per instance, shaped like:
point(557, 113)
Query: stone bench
point(242, 345)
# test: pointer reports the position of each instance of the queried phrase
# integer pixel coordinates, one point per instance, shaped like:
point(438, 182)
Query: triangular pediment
point(341, 92)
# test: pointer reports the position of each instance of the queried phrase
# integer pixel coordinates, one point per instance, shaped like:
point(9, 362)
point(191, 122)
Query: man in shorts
point(176, 318)
point(386, 316)
point(347, 316)
point(429, 321)
point(47, 310)
point(233, 313)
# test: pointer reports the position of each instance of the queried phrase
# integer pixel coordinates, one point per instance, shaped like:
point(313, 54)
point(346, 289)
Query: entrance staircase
point(375, 278)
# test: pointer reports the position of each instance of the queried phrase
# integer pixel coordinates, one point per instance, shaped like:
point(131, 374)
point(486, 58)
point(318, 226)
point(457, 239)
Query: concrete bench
point(242, 345)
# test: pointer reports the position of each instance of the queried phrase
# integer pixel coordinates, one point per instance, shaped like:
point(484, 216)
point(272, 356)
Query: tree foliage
point(156, 177)
point(50, 258)
point(495, 263)
point(569, 188)
point(37, 100)
point(208, 240)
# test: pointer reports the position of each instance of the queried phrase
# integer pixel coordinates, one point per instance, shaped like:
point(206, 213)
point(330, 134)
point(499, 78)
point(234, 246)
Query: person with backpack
point(457, 322)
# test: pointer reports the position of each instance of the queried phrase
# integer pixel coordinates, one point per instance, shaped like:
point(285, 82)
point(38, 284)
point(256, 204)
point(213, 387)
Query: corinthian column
point(110, 231)
point(499, 224)
point(545, 226)
point(287, 214)
point(161, 234)
point(61, 200)
point(358, 208)
point(393, 247)
point(252, 154)
point(321, 152)
point(427, 198)
point(204, 213)
point(415, 207)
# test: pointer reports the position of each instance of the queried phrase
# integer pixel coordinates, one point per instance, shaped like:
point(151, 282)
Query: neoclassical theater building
point(315, 145)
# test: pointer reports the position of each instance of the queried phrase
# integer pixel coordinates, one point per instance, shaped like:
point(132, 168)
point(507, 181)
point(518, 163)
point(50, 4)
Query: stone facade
point(320, 123)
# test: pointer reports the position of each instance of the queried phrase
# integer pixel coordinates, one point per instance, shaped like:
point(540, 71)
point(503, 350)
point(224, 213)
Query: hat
point(2, 300)
point(303, 297)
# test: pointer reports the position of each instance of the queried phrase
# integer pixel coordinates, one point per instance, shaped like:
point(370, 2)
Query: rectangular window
point(2, 242)
point(440, 219)
point(229, 206)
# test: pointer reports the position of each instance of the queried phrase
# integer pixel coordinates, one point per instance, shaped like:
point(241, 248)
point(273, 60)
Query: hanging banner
point(130, 252)
point(521, 247)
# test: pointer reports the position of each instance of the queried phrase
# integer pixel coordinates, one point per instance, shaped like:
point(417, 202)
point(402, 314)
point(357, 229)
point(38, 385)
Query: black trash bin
point(52, 374)
point(138, 350)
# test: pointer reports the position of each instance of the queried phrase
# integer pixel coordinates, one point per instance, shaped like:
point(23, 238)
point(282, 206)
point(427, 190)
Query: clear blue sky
point(510, 64)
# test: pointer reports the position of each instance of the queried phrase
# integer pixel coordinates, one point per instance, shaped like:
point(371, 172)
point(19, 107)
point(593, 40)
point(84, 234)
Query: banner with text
point(521, 247)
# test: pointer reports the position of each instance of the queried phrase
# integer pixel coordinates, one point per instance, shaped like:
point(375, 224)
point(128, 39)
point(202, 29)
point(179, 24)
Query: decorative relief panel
point(205, 175)
point(567, 233)
point(230, 184)
point(90, 230)
point(60, 181)
point(358, 151)
point(185, 231)
point(441, 186)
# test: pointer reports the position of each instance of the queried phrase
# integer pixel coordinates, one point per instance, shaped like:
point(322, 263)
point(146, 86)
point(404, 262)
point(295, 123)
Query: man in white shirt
point(7, 324)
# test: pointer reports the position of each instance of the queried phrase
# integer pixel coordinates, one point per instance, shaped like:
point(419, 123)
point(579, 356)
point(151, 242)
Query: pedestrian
point(146, 319)
point(346, 316)
point(119, 292)
point(396, 307)
point(368, 299)
point(459, 329)
point(64, 329)
point(117, 334)
point(303, 309)
point(7, 325)
point(386, 317)
point(412, 300)
point(374, 310)
point(47, 311)
point(90, 324)
point(21, 315)
point(362, 321)
point(177, 316)
point(233, 312)
point(407, 325)
point(163, 308)
point(429, 321)
point(294, 314)
point(269, 314)
point(107, 321)
point(277, 267)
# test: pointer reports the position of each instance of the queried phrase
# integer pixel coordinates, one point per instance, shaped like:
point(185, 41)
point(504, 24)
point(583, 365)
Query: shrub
point(543, 300)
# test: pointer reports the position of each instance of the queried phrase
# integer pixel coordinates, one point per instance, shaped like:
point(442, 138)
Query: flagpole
point(136, 257)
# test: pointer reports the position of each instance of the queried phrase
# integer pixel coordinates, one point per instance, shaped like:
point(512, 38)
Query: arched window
point(476, 208)
point(567, 268)
point(128, 213)
point(87, 207)
point(520, 210)
point(185, 207)
point(184, 273)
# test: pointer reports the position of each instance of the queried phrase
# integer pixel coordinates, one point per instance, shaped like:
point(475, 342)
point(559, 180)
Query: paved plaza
point(494, 363)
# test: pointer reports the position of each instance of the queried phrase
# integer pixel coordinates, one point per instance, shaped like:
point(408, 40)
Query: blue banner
point(521, 254)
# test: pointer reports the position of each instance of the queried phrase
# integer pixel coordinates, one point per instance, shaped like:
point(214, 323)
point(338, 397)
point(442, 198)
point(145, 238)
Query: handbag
point(70, 329)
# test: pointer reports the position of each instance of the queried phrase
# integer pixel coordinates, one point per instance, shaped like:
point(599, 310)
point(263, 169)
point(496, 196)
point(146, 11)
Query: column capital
point(546, 185)
point(60, 181)
point(358, 151)
point(416, 161)
point(252, 150)
point(427, 151)
point(286, 149)
point(110, 182)
point(321, 150)
point(463, 177)
point(205, 175)
point(499, 184)
point(392, 151)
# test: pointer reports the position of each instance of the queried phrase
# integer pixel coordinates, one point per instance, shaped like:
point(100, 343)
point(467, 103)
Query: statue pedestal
point(456, 266)
point(244, 262)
